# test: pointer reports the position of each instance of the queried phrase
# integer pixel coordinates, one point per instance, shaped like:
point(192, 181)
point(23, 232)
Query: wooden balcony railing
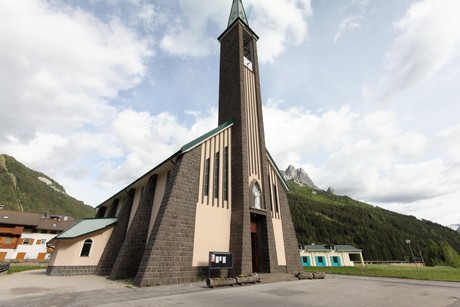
point(17, 230)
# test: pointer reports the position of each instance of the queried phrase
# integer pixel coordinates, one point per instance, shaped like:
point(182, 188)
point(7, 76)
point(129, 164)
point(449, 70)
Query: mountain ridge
point(323, 218)
point(319, 217)
point(300, 177)
point(26, 190)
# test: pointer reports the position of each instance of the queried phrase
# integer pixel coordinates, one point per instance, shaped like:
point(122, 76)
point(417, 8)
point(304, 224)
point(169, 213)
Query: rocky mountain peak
point(455, 227)
point(299, 176)
point(290, 172)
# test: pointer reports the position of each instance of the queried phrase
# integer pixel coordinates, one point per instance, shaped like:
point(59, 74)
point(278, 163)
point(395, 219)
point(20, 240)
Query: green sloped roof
point(283, 181)
point(236, 12)
point(317, 248)
point(347, 248)
point(204, 137)
point(187, 147)
point(85, 226)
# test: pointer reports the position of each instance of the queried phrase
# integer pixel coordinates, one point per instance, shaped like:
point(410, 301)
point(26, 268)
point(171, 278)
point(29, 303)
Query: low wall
point(400, 263)
point(71, 270)
point(30, 262)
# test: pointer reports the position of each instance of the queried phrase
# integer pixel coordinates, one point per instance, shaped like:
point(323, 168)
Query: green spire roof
point(237, 12)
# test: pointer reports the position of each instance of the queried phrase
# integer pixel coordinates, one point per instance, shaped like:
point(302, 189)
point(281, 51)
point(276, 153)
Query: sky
point(362, 94)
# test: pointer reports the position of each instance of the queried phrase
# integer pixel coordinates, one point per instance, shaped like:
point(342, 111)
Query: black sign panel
point(220, 260)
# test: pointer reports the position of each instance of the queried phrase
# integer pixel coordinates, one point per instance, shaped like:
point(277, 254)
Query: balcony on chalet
point(11, 245)
point(16, 231)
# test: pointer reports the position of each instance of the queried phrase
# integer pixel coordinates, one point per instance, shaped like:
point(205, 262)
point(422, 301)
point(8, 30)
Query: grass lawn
point(378, 270)
point(16, 269)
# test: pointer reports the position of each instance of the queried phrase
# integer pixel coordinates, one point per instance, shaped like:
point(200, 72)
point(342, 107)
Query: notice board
point(220, 260)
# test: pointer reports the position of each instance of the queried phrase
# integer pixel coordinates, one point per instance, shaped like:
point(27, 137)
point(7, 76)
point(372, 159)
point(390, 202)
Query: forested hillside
point(23, 189)
point(323, 218)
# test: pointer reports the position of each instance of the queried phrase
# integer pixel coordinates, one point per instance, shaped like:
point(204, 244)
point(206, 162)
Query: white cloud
point(150, 16)
point(433, 209)
point(186, 36)
point(135, 143)
point(359, 3)
point(368, 157)
point(429, 38)
point(147, 140)
point(350, 22)
point(183, 42)
point(450, 136)
point(59, 65)
point(42, 146)
point(313, 132)
point(278, 23)
point(63, 69)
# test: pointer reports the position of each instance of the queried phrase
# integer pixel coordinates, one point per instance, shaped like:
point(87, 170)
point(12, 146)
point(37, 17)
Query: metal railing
point(4, 267)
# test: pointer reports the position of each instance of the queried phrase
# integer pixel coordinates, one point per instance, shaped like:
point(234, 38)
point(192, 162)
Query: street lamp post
point(413, 257)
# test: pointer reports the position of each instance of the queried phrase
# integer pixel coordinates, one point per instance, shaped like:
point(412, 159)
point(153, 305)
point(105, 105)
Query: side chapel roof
point(86, 226)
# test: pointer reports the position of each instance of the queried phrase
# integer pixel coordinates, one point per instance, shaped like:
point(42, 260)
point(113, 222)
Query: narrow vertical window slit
point(216, 174)
point(206, 178)
point(225, 179)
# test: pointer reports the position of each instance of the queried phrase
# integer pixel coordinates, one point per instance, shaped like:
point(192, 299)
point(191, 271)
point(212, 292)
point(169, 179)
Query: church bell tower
point(252, 233)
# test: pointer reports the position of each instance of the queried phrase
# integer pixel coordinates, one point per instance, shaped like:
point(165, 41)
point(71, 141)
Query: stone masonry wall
point(231, 105)
point(269, 246)
point(71, 270)
point(104, 267)
point(113, 208)
point(130, 254)
point(169, 253)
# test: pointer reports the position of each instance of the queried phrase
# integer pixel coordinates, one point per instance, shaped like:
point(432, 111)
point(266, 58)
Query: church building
point(221, 192)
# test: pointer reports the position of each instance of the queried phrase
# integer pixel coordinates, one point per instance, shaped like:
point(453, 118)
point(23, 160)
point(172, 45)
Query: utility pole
point(413, 257)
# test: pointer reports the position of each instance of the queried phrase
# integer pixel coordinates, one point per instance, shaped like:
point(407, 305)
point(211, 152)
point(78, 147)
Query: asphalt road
point(34, 288)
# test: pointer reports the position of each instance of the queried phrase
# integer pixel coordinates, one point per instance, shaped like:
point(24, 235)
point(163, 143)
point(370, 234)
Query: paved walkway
point(34, 288)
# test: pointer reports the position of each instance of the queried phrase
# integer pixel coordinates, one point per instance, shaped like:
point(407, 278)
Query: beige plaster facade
point(252, 127)
point(159, 193)
point(67, 252)
point(137, 198)
point(213, 212)
point(279, 241)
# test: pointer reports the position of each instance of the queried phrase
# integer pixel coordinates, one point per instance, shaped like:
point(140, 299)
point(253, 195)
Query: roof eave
point(83, 234)
point(187, 147)
point(277, 171)
point(196, 142)
point(126, 189)
point(233, 24)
